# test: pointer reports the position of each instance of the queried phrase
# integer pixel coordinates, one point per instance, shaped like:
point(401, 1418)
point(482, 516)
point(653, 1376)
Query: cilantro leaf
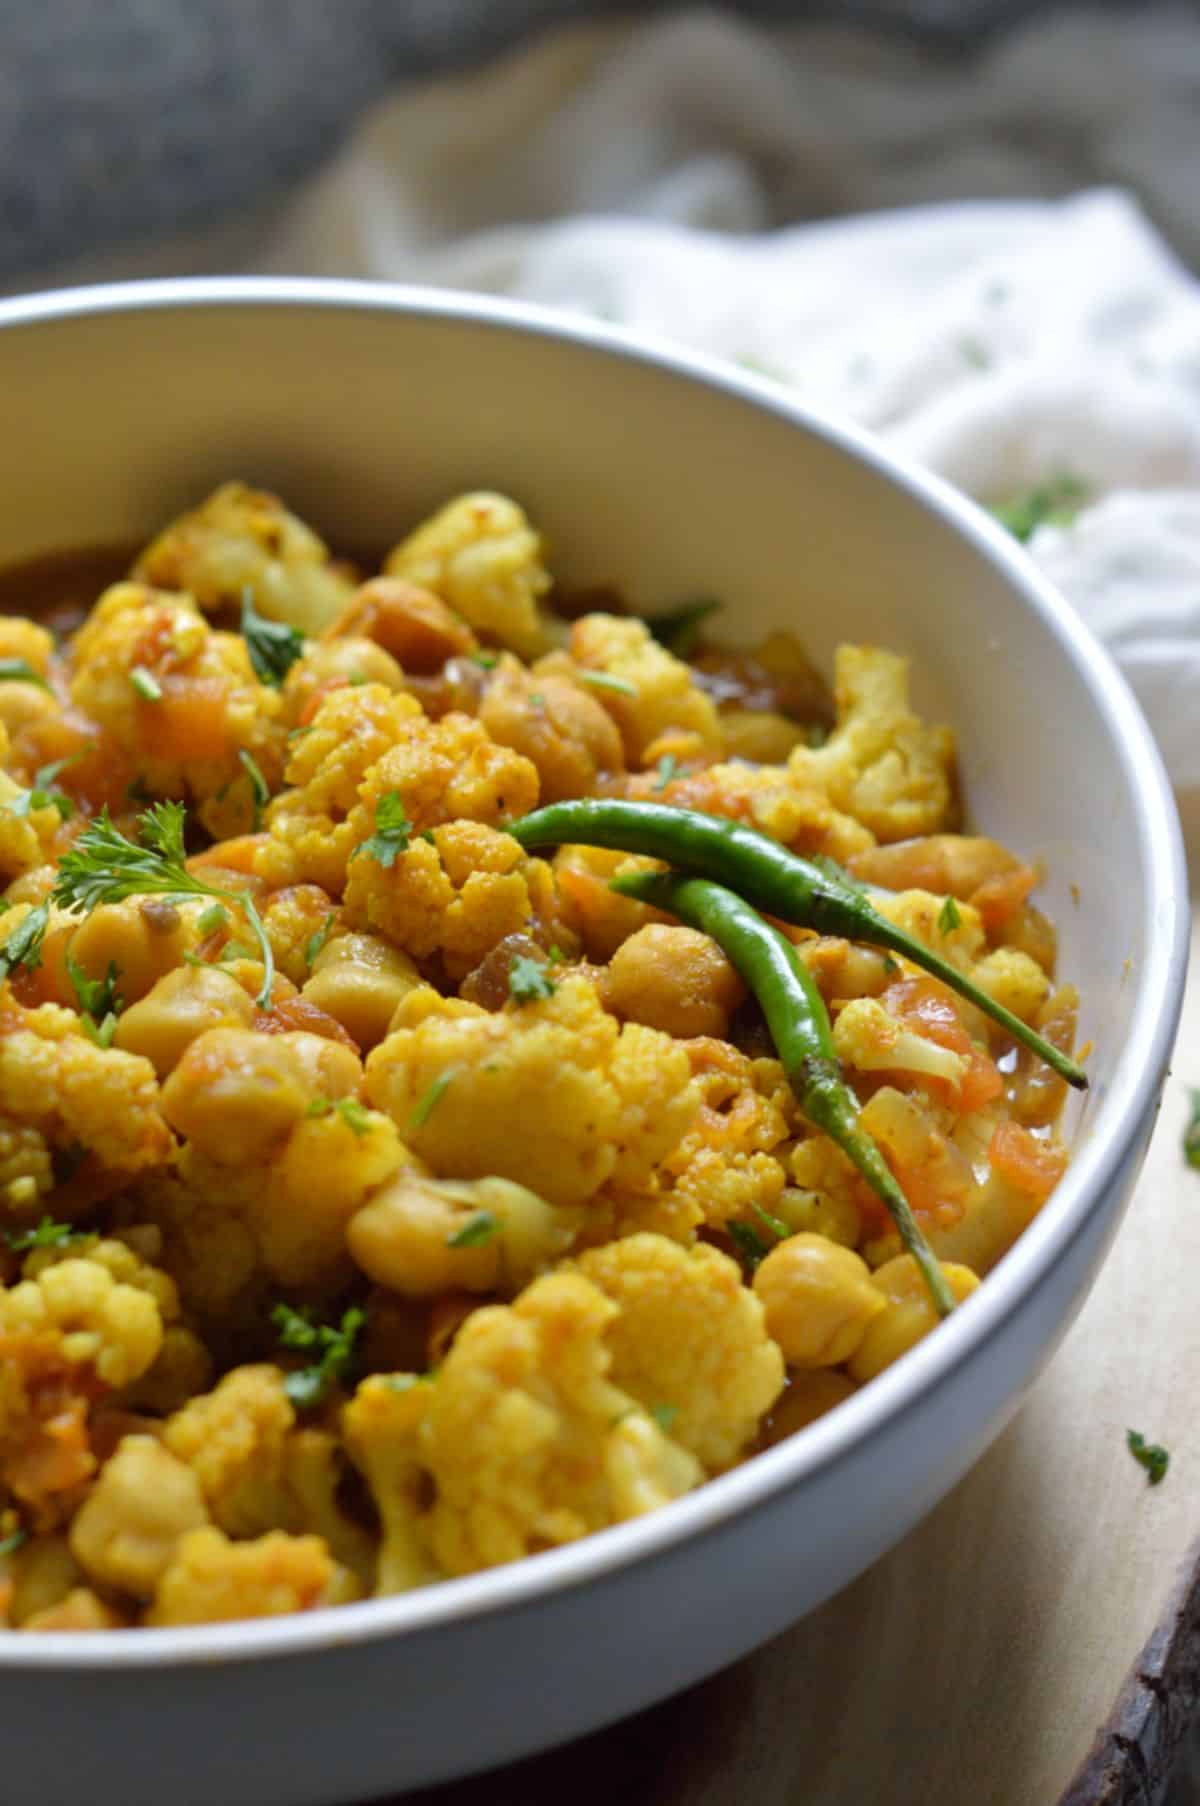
point(48, 1234)
point(668, 770)
point(949, 917)
point(475, 1231)
point(315, 942)
point(432, 1098)
point(1152, 1456)
point(24, 945)
point(604, 680)
point(393, 831)
point(146, 684)
point(334, 1346)
point(10, 1544)
point(777, 1227)
point(273, 646)
point(98, 997)
point(1055, 503)
point(664, 1416)
point(356, 1116)
point(529, 981)
point(260, 790)
point(751, 1249)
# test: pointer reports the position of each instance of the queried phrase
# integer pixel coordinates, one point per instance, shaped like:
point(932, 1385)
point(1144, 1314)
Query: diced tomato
point(187, 721)
point(1029, 1165)
point(982, 1083)
point(1000, 897)
point(235, 855)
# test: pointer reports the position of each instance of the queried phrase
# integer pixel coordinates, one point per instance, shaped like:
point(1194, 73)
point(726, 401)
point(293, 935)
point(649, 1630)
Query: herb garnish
point(432, 1098)
point(475, 1231)
point(316, 941)
point(260, 790)
point(751, 1249)
point(105, 866)
point(48, 1234)
point(664, 1416)
point(1191, 1135)
point(678, 629)
point(356, 1116)
point(1053, 504)
point(11, 1544)
point(20, 671)
point(1152, 1456)
point(603, 680)
point(146, 684)
point(393, 831)
point(24, 945)
point(331, 1346)
point(43, 795)
point(273, 646)
point(668, 770)
point(949, 917)
point(529, 981)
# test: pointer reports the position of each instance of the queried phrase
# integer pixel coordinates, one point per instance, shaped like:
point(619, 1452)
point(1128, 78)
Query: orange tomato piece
point(187, 721)
point(999, 898)
point(1029, 1165)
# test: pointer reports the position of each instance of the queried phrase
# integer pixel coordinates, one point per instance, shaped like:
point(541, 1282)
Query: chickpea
point(407, 1236)
point(569, 735)
point(411, 623)
point(808, 1396)
point(360, 979)
point(43, 1573)
point(908, 1314)
point(238, 1094)
point(819, 1299)
point(674, 979)
point(124, 1534)
point(144, 937)
point(337, 661)
point(177, 1009)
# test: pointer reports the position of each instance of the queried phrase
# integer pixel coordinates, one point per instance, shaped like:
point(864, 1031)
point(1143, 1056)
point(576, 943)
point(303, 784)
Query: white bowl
point(668, 476)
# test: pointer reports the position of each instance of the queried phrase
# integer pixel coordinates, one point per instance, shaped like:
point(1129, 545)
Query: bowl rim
point(1112, 1135)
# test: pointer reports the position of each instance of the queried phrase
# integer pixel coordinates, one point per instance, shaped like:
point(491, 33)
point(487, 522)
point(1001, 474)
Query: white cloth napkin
point(630, 171)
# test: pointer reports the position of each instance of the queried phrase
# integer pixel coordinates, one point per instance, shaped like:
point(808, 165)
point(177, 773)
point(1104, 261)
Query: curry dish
point(383, 1195)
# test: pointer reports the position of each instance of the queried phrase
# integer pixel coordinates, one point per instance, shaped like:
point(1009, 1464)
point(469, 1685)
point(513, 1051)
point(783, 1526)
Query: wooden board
point(974, 1665)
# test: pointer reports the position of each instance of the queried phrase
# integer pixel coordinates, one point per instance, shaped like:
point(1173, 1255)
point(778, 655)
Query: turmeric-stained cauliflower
point(550, 1093)
point(561, 727)
point(234, 1441)
point(55, 1079)
point(480, 555)
point(127, 1531)
point(778, 800)
point(382, 1426)
point(881, 764)
point(29, 829)
point(242, 538)
point(210, 1578)
point(26, 1173)
point(648, 692)
point(310, 836)
point(689, 1342)
point(529, 1442)
point(729, 1162)
point(181, 701)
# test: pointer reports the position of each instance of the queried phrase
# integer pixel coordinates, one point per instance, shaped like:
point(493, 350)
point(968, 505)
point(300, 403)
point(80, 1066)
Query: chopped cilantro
point(20, 671)
point(316, 941)
point(664, 1416)
point(1191, 1135)
point(949, 917)
point(260, 790)
point(48, 1234)
point(603, 680)
point(890, 966)
point(777, 1227)
point(98, 997)
point(356, 1116)
point(668, 770)
point(432, 1098)
point(333, 1347)
point(273, 646)
point(10, 1544)
point(751, 1249)
point(475, 1231)
point(146, 684)
point(528, 980)
point(24, 945)
point(393, 830)
point(214, 917)
point(485, 658)
point(1154, 1458)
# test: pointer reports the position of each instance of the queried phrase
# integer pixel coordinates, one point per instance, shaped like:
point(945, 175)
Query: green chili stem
point(773, 879)
point(799, 1024)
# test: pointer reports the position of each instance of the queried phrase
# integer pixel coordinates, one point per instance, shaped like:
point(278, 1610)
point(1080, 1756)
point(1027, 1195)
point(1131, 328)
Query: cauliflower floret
point(114, 1330)
point(529, 1442)
point(55, 1079)
point(27, 833)
point(242, 538)
point(444, 771)
point(81, 1610)
point(26, 1174)
point(729, 1162)
point(299, 920)
point(127, 1531)
point(565, 731)
point(329, 666)
point(21, 638)
point(551, 1094)
point(773, 799)
point(1013, 979)
point(310, 839)
point(315, 1466)
point(420, 1236)
point(234, 1439)
point(881, 764)
point(381, 1426)
point(205, 705)
point(212, 1579)
point(456, 895)
point(122, 1261)
point(213, 1255)
point(869, 1038)
point(690, 1341)
point(480, 554)
point(652, 694)
point(923, 915)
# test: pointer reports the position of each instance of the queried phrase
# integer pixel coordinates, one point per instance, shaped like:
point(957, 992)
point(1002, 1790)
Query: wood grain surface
point(975, 1664)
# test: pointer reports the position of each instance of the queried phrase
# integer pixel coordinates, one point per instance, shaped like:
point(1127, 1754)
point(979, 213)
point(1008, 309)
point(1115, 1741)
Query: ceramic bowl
point(669, 477)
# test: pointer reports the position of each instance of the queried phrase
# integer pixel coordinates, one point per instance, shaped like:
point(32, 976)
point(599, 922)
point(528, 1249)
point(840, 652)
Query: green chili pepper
point(799, 1023)
point(774, 880)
